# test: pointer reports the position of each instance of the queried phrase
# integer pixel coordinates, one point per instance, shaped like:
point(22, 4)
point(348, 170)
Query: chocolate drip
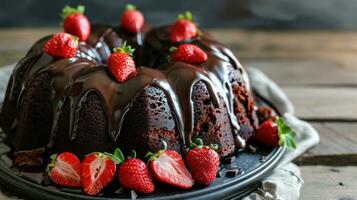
point(183, 77)
point(220, 60)
point(118, 97)
point(73, 79)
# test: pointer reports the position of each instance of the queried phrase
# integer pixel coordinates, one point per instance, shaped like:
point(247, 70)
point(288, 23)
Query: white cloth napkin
point(285, 182)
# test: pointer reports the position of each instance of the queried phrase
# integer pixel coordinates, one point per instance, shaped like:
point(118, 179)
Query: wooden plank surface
point(258, 44)
point(307, 72)
point(337, 145)
point(336, 138)
point(329, 183)
point(319, 103)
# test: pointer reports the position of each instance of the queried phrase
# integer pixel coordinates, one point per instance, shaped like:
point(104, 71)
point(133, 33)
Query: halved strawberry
point(98, 170)
point(65, 170)
point(167, 166)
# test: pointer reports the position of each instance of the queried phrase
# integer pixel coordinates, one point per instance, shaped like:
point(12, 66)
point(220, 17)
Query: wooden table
point(318, 71)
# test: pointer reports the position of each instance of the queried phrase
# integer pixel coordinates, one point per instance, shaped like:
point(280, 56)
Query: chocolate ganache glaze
point(86, 109)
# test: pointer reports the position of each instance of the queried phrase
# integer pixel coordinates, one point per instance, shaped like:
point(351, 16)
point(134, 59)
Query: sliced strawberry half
point(65, 170)
point(167, 166)
point(98, 171)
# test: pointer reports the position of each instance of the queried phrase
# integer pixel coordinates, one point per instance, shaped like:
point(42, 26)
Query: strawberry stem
point(214, 146)
point(125, 49)
point(68, 10)
point(164, 144)
point(130, 7)
point(149, 154)
point(186, 16)
point(286, 134)
point(133, 154)
point(153, 156)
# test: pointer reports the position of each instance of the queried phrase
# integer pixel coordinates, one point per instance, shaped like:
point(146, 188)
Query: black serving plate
point(253, 167)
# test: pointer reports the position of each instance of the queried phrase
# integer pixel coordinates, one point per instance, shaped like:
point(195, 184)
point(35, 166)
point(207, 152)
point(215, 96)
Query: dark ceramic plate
point(253, 167)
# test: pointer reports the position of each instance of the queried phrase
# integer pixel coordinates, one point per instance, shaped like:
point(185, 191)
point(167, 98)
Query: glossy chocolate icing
point(73, 78)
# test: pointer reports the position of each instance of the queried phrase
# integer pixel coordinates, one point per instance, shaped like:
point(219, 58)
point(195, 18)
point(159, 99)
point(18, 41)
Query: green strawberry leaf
point(125, 48)
point(130, 7)
point(286, 134)
point(68, 10)
point(50, 165)
point(172, 49)
point(187, 16)
point(117, 157)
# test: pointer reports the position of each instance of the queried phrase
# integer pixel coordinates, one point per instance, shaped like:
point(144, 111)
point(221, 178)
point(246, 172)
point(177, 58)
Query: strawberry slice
point(65, 170)
point(98, 171)
point(167, 166)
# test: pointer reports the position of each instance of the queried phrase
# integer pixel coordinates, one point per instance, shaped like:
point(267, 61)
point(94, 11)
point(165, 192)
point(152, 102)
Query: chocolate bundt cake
point(75, 104)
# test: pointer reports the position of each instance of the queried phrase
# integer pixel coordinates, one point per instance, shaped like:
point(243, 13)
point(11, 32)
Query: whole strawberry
point(203, 162)
point(65, 170)
point(167, 166)
point(188, 53)
point(273, 134)
point(134, 174)
point(75, 22)
point(184, 28)
point(98, 170)
point(121, 63)
point(132, 20)
point(62, 45)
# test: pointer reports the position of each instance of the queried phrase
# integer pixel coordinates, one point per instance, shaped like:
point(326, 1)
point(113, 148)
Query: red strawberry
point(132, 20)
point(184, 28)
point(273, 134)
point(188, 53)
point(121, 63)
point(75, 22)
point(65, 170)
point(203, 162)
point(134, 174)
point(62, 45)
point(98, 171)
point(167, 166)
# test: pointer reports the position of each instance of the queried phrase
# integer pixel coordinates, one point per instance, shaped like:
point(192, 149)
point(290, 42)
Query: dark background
point(282, 14)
